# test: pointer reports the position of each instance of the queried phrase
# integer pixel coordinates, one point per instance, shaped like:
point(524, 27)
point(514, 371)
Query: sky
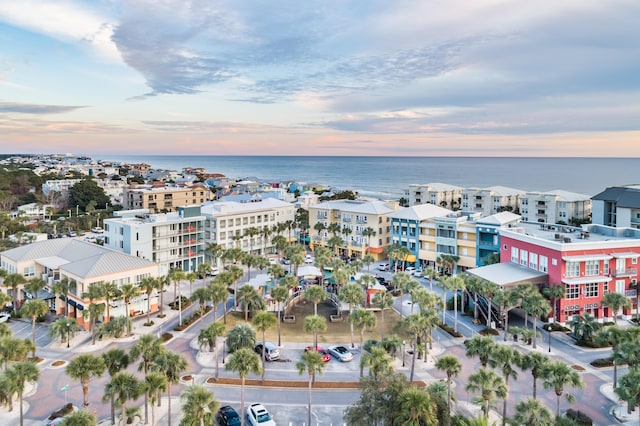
point(333, 77)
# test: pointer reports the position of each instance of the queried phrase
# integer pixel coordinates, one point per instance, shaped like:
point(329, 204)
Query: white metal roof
point(505, 273)
point(586, 257)
point(586, 280)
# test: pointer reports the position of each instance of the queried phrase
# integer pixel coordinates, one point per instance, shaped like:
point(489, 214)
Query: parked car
point(417, 272)
point(410, 270)
point(213, 271)
point(257, 415)
point(273, 261)
point(326, 356)
point(97, 230)
point(308, 259)
point(4, 316)
point(383, 267)
point(90, 239)
point(72, 234)
point(341, 353)
point(227, 416)
point(271, 352)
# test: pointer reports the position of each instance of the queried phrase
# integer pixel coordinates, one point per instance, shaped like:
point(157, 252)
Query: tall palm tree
point(353, 295)
point(34, 308)
point(62, 288)
point(280, 294)
point(368, 232)
point(377, 360)
point(216, 251)
point(199, 404)
point(629, 389)
point(408, 287)
point(116, 360)
point(243, 361)
point(94, 311)
point(128, 292)
point(536, 362)
point(555, 292)
point(14, 281)
point(110, 292)
point(448, 262)
point(616, 302)
point(34, 286)
point(219, 294)
point(362, 319)
point(176, 275)
point(154, 384)
point(533, 413)
point(311, 363)
point(557, 375)
point(480, 346)
point(262, 322)
point(149, 285)
point(451, 366)
point(208, 336)
point(432, 274)
point(171, 365)
point(417, 408)
point(382, 301)
point(147, 348)
point(201, 295)
point(490, 386)
point(315, 324)
point(251, 232)
point(505, 359)
point(19, 374)
point(414, 324)
point(84, 367)
point(489, 290)
point(315, 294)
point(265, 233)
point(247, 294)
point(235, 273)
point(613, 335)
point(536, 306)
point(122, 388)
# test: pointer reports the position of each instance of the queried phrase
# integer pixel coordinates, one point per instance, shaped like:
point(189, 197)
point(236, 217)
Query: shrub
point(166, 337)
point(556, 327)
point(602, 362)
point(579, 417)
point(488, 332)
point(450, 303)
point(450, 330)
point(66, 409)
point(369, 344)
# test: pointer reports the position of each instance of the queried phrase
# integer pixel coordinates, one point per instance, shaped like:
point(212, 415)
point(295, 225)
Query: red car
point(326, 357)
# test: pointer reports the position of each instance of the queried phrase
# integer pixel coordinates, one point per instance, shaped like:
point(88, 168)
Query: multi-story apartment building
point(82, 265)
point(491, 200)
point(163, 199)
point(113, 189)
point(439, 194)
point(363, 225)
point(488, 234)
point(172, 240)
point(554, 207)
point(589, 262)
point(233, 224)
point(405, 226)
point(617, 206)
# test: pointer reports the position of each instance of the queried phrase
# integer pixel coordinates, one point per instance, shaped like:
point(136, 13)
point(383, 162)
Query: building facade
point(163, 199)
point(555, 207)
point(172, 240)
point(488, 234)
point(491, 200)
point(617, 206)
point(438, 194)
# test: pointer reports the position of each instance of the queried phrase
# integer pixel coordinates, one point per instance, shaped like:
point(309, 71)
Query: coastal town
point(445, 303)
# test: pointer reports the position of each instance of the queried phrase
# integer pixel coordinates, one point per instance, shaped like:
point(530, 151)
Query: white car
point(257, 415)
point(97, 230)
point(417, 272)
point(213, 271)
point(308, 259)
point(410, 270)
point(4, 316)
point(383, 267)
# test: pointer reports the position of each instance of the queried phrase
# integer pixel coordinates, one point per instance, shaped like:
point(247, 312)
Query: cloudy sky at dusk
point(415, 77)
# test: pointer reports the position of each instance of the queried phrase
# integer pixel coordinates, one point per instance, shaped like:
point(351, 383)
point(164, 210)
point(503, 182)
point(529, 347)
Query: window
point(572, 269)
point(605, 288)
point(524, 257)
point(544, 264)
point(514, 254)
point(533, 261)
point(572, 291)
point(634, 260)
point(620, 286)
point(605, 268)
point(29, 271)
point(621, 265)
point(592, 267)
point(591, 290)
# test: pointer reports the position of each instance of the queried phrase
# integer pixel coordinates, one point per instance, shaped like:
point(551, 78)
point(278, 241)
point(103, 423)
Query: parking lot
point(21, 328)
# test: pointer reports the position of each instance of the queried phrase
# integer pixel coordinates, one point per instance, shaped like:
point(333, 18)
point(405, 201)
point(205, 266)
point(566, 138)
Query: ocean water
point(388, 177)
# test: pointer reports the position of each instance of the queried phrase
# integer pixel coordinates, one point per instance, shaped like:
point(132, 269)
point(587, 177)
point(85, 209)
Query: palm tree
point(116, 360)
point(122, 388)
point(555, 292)
point(368, 259)
point(315, 324)
point(171, 365)
point(489, 384)
point(199, 404)
point(533, 413)
point(417, 408)
point(616, 302)
point(148, 285)
point(128, 292)
point(480, 346)
point(536, 306)
point(315, 294)
point(454, 283)
point(147, 348)
point(65, 328)
point(201, 295)
point(352, 294)
point(382, 301)
point(110, 292)
point(536, 362)
point(363, 319)
point(448, 262)
point(557, 375)
point(34, 286)
point(14, 281)
point(84, 367)
point(247, 295)
point(235, 273)
point(432, 274)
point(629, 389)
point(377, 360)
point(191, 276)
point(280, 294)
point(368, 232)
point(154, 384)
point(243, 361)
point(451, 366)
point(176, 275)
point(311, 363)
point(18, 374)
point(62, 288)
point(218, 294)
point(613, 335)
point(79, 418)
point(262, 322)
point(208, 337)
point(34, 308)
point(415, 324)
point(216, 251)
point(505, 358)
point(408, 287)
point(94, 311)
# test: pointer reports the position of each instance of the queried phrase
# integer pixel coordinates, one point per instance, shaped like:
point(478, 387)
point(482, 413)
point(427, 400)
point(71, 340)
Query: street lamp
point(549, 337)
point(403, 351)
point(68, 329)
point(224, 347)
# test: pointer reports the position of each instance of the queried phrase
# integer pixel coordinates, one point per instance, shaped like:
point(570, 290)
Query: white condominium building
point(172, 240)
point(491, 200)
point(242, 224)
point(554, 207)
point(438, 194)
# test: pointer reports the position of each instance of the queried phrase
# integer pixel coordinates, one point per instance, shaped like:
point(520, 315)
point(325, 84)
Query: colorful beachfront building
point(589, 262)
point(488, 234)
point(363, 226)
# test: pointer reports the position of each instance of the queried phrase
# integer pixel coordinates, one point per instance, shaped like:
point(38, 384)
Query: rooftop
point(572, 234)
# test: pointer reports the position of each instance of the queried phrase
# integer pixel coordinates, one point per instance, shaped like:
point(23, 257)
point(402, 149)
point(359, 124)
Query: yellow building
point(163, 199)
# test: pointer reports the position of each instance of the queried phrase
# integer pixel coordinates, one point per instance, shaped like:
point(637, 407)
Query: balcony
point(629, 272)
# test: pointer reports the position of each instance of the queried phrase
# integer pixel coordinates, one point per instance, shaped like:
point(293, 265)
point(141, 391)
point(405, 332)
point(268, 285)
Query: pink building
point(589, 261)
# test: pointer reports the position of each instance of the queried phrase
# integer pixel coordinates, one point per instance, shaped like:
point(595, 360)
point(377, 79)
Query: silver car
point(341, 353)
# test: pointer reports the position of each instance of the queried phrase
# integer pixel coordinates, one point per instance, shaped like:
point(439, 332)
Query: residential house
point(617, 206)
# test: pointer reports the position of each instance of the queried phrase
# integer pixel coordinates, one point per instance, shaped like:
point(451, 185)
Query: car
point(273, 261)
point(213, 271)
point(417, 272)
point(72, 234)
point(227, 416)
point(341, 353)
point(97, 230)
point(4, 316)
point(257, 415)
point(410, 270)
point(308, 259)
point(271, 352)
point(90, 239)
point(326, 356)
point(383, 267)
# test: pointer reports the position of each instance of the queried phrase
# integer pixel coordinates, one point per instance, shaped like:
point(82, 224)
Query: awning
point(52, 262)
point(586, 257)
point(410, 258)
point(626, 255)
point(506, 273)
point(586, 280)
